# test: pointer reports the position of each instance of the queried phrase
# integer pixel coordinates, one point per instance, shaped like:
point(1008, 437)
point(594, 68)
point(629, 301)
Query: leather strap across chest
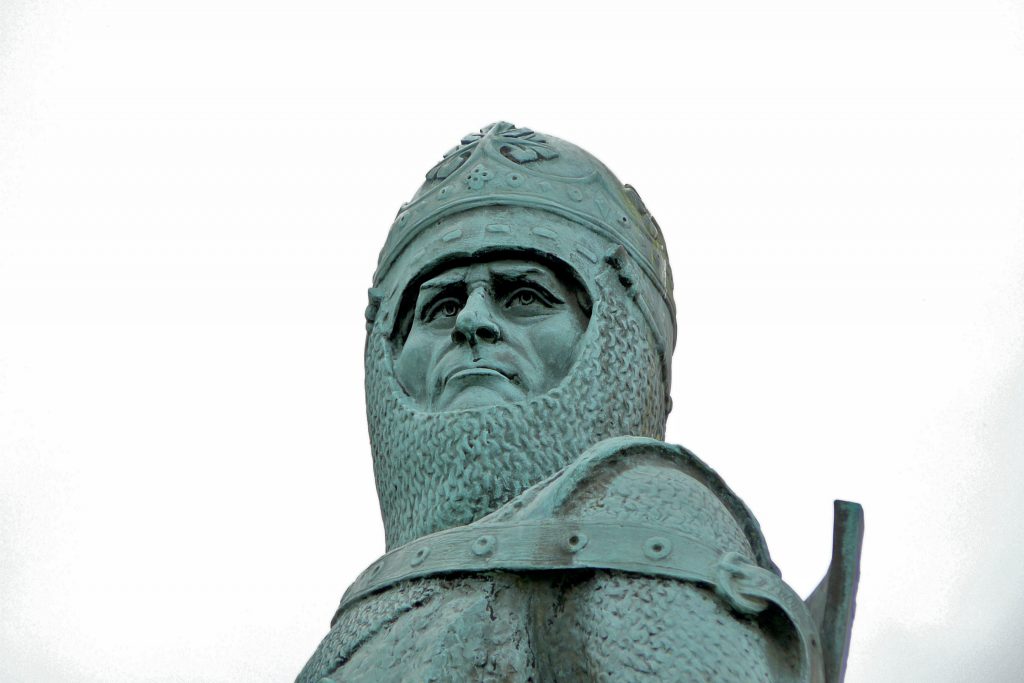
point(566, 545)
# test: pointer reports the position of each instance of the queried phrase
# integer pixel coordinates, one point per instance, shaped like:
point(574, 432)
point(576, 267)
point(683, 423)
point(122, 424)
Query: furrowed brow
point(513, 274)
point(509, 278)
point(442, 282)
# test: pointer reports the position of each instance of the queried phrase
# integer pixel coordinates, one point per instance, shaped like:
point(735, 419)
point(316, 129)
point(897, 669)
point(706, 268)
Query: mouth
point(478, 371)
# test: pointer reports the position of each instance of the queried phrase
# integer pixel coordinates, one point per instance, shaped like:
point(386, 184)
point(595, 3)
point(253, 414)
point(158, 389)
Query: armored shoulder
point(628, 504)
point(647, 509)
point(642, 482)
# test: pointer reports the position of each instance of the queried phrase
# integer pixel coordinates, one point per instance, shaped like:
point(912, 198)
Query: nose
point(475, 324)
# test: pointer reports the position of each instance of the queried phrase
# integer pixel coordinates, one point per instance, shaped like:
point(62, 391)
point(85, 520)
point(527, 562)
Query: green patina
point(519, 340)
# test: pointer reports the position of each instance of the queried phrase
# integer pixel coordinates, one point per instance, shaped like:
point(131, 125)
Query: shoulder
point(688, 592)
point(636, 480)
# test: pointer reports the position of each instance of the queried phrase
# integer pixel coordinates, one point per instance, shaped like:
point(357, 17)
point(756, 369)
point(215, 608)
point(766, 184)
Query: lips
point(478, 371)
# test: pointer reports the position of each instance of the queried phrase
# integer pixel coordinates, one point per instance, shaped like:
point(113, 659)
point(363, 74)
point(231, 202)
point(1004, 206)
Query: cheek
point(554, 341)
point(411, 365)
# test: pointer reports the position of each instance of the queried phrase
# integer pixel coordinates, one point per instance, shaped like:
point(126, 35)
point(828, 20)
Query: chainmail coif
point(440, 470)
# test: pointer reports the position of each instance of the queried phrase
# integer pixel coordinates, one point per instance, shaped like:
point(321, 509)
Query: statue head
point(521, 311)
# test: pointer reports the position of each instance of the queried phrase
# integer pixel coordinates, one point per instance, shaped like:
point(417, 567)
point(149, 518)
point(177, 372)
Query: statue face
point(490, 332)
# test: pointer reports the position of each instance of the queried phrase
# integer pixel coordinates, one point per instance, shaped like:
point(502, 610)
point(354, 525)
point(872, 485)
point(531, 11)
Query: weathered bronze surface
point(520, 330)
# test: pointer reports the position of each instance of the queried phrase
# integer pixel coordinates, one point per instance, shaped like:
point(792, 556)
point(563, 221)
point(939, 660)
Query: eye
point(524, 297)
point(528, 297)
point(447, 307)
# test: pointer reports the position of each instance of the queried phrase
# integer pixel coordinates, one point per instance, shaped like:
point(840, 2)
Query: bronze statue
point(519, 339)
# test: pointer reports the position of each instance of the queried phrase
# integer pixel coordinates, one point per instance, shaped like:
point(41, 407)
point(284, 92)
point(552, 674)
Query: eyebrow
point(510, 272)
point(507, 273)
point(444, 280)
point(513, 274)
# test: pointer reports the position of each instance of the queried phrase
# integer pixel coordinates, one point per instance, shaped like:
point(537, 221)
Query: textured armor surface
point(437, 470)
point(607, 624)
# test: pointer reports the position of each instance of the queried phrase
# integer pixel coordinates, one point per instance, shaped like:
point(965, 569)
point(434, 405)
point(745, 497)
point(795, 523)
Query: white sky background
point(192, 197)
